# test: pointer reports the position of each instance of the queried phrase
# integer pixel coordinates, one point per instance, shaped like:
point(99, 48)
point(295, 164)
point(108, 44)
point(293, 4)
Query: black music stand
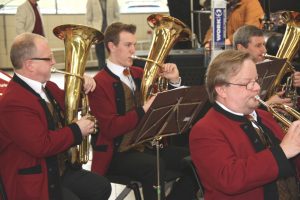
point(171, 113)
point(268, 71)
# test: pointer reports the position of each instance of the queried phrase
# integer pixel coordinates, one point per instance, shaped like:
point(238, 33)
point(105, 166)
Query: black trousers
point(141, 166)
point(100, 53)
point(84, 185)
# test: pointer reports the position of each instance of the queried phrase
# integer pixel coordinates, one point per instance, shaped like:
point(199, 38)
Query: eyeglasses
point(43, 59)
point(249, 86)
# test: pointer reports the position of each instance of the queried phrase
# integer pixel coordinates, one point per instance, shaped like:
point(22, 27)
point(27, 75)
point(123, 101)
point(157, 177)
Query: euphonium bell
point(166, 31)
point(78, 40)
point(289, 90)
point(287, 49)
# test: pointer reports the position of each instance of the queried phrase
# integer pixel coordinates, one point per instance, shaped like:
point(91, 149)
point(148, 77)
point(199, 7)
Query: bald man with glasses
point(33, 133)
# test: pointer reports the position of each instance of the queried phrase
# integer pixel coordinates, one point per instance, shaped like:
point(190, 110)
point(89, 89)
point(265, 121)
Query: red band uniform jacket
point(108, 106)
point(231, 162)
point(29, 142)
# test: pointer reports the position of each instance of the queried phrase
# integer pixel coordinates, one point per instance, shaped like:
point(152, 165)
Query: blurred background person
point(239, 13)
point(100, 14)
point(29, 18)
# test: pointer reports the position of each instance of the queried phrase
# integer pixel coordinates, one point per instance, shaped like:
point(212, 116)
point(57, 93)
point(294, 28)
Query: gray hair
point(243, 35)
point(23, 48)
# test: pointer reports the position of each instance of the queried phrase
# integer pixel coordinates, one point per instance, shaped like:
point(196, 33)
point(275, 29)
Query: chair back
point(2, 191)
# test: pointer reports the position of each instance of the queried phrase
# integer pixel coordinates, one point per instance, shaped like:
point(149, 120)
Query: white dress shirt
point(118, 71)
point(35, 85)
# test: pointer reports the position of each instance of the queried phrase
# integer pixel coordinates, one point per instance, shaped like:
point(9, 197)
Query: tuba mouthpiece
point(53, 69)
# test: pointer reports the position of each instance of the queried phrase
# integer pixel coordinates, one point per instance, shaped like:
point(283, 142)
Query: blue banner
point(219, 28)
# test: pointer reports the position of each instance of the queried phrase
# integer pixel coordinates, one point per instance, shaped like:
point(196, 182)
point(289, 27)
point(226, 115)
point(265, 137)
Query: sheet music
point(171, 113)
point(268, 71)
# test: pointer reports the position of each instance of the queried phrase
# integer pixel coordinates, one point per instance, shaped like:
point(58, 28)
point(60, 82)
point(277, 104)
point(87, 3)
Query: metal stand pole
point(192, 23)
point(155, 142)
point(267, 23)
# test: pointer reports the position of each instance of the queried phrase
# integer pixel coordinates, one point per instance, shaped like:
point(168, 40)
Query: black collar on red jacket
point(50, 120)
point(136, 80)
point(24, 85)
point(234, 116)
point(270, 190)
point(228, 114)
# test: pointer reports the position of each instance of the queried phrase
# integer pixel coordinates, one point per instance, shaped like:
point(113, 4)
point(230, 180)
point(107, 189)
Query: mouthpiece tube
point(54, 70)
point(146, 59)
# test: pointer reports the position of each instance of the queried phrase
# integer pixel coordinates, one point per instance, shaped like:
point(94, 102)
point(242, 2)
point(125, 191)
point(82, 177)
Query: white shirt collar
point(253, 114)
point(114, 68)
point(118, 71)
point(35, 85)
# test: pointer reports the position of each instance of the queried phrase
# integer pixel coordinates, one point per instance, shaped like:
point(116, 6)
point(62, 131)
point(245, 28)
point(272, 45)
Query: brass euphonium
point(287, 49)
point(273, 109)
point(78, 40)
point(166, 32)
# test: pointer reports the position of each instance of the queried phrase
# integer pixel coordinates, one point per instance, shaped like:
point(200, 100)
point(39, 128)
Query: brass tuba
point(78, 40)
point(167, 31)
point(287, 49)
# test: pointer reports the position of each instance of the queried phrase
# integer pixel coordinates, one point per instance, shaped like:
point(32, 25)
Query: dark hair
point(112, 33)
point(243, 34)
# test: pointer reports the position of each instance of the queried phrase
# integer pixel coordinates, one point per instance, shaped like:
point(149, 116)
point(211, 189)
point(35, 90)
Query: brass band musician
point(33, 134)
point(251, 39)
point(247, 156)
point(115, 103)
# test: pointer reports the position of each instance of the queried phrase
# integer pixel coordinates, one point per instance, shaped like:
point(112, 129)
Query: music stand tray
point(171, 113)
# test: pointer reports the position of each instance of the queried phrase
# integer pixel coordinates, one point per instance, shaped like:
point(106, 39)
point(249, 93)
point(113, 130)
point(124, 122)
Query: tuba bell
point(287, 49)
point(77, 40)
point(167, 31)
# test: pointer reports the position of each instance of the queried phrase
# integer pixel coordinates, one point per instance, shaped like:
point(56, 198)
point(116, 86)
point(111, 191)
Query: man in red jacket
point(118, 109)
point(239, 158)
point(33, 134)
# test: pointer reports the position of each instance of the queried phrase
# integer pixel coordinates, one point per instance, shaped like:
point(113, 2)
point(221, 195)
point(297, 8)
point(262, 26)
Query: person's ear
point(111, 46)
point(28, 65)
point(240, 47)
point(221, 90)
